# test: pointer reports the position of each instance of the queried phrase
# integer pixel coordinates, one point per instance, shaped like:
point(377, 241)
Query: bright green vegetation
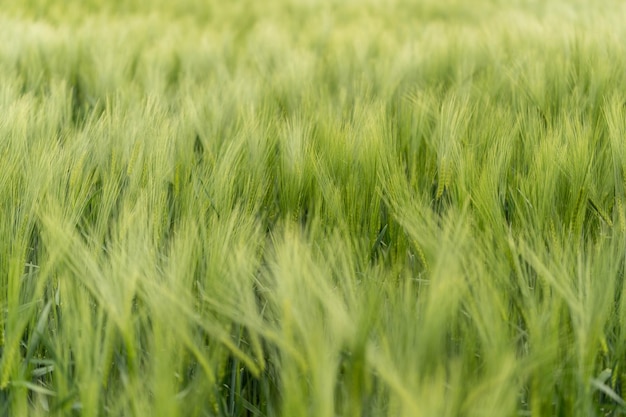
point(365, 208)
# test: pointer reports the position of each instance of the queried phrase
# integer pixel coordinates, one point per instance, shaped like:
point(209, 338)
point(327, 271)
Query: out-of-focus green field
point(312, 208)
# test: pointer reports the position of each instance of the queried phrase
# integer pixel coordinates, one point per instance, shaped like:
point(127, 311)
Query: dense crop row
point(312, 208)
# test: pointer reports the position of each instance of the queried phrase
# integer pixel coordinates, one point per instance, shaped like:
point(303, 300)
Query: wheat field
point(312, 208)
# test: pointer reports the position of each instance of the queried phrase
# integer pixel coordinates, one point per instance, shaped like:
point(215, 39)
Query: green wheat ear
point(9, 361)
point(620, 214)
point(444, 177)
point(420, 254)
